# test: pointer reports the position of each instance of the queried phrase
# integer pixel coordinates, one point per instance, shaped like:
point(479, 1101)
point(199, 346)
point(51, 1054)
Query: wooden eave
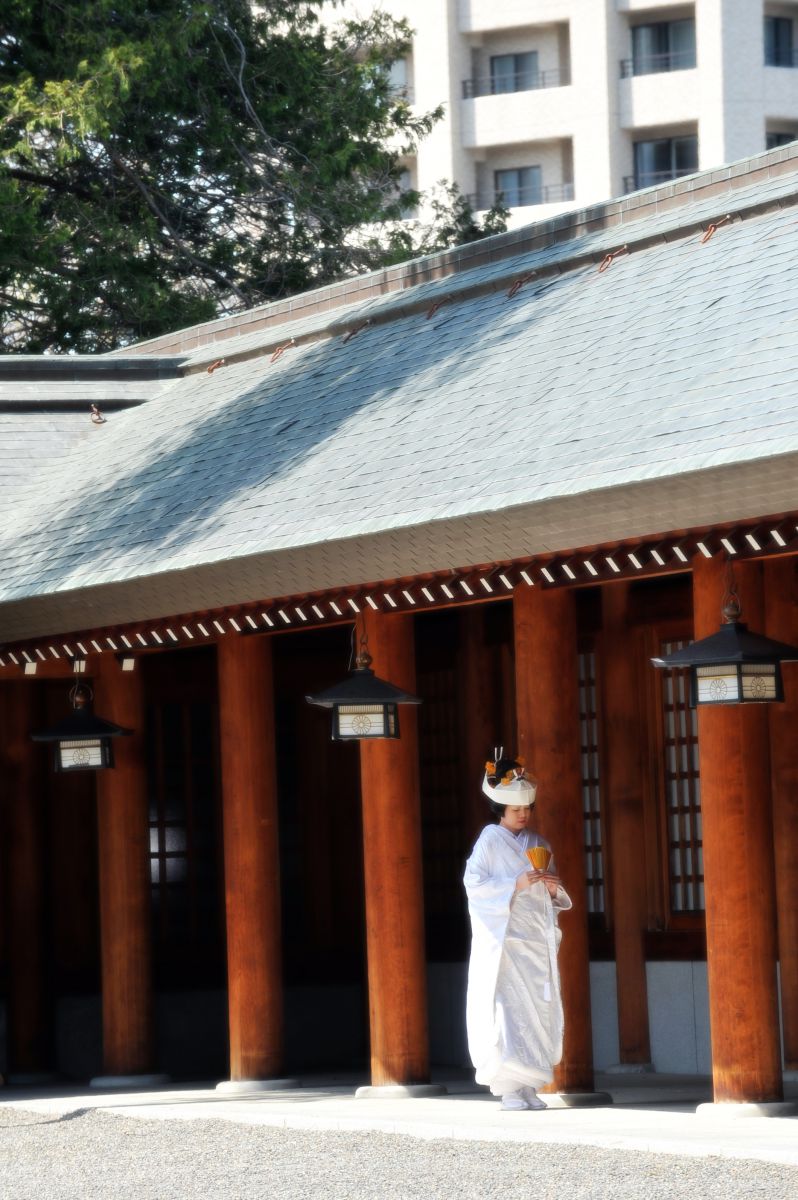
point(664, 555)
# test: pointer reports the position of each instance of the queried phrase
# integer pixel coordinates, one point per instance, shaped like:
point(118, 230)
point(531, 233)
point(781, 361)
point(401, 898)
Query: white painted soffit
point(716, 496)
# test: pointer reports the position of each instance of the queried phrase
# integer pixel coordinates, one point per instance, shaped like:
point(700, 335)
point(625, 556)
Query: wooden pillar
point(625, 736)
point(251, 858)
point(392, 869)
point(124, 861)
point(738, 865)
point(547, 697)
point(781, 623)
point(24, 781)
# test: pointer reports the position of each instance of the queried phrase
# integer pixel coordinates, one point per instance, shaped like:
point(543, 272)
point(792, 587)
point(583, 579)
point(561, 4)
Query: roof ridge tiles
point(493, 277)
point(681, 205)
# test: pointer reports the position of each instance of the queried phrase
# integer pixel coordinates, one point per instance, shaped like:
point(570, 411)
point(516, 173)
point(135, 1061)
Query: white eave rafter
point(665, 555)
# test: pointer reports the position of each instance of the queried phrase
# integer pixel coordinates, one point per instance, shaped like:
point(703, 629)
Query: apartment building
point(552, 104)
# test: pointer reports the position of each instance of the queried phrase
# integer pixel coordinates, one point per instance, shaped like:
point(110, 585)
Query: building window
point(513, 72)
point(779, 48)
point(399, 80)
point(664, 46)
point(404, 185)
point(682, 792)
point(774, 140)
point(184, 840)
point(591, 791)
point(519, 186)
point(663, 159)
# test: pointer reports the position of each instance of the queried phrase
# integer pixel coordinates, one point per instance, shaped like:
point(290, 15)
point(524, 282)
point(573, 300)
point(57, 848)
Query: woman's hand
point(552, 882)
point(526, 880)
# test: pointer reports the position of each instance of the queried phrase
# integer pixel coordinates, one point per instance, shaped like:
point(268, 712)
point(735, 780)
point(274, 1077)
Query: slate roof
point(45, 410)
point(589, 406)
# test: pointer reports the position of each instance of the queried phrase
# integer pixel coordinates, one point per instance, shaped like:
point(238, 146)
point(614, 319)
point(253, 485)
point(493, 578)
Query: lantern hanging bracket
point(731, 608)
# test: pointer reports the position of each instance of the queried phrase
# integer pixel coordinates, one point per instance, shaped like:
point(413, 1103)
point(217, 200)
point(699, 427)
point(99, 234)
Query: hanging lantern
point(363, 706)
point(82, 741)
point(734, 665)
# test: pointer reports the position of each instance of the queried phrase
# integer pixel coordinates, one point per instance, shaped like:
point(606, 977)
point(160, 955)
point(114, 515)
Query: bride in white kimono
point(514, 1011)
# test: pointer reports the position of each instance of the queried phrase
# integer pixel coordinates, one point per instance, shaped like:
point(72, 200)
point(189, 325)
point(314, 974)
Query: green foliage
point(453, 224)
point(167, 160)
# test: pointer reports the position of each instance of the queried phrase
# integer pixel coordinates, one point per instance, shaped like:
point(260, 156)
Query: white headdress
point(505, 781)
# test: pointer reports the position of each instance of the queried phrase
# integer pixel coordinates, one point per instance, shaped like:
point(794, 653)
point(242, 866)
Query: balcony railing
point(781, 58)
point(654, 64)
point(523, 81)
point(635, 183)
point(554, 193)
point(403, 91)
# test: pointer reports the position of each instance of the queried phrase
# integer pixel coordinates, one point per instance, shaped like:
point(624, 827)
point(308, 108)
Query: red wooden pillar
point(23, 766)
point(781, 623)
point(124, 862)
point(547, 698)
point(389, 784)
point(251, 859)
point(625, 735)
point(738, 865)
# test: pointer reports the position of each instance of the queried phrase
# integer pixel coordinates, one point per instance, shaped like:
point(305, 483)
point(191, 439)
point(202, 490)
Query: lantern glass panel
point(759, 681)
point(81, 755)
point(717, 684)
point(361, 721)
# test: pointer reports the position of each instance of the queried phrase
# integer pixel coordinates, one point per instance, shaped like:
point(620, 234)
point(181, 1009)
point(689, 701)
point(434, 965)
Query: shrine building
point(519, 470)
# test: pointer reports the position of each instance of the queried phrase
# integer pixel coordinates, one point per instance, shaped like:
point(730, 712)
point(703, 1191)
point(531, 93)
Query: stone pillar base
point(252, 1087)
point(129, 1081)
point(744, 1109)
point(399, 1091)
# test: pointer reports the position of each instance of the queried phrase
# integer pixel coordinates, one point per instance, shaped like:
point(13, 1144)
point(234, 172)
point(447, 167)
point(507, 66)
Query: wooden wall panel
point(624, 792)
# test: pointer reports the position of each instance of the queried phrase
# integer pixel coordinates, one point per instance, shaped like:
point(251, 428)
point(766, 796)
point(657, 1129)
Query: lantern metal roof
point(80, 724)
point(362, 686)
point(733, 643)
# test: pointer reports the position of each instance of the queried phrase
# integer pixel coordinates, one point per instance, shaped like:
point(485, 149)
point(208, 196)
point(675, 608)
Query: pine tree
point(165, 161)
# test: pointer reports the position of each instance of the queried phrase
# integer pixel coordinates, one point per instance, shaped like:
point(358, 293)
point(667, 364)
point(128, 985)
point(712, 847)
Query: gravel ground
point(89, 1155)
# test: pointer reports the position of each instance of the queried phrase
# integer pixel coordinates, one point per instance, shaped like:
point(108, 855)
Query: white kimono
point(514, 1011)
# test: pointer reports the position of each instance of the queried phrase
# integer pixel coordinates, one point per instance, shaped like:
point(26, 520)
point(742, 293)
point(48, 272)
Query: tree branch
point(203, 268)
point(62, 186)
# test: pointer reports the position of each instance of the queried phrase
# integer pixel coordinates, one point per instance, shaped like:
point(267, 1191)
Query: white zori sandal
point(522, 1099)
point(533, 1100)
